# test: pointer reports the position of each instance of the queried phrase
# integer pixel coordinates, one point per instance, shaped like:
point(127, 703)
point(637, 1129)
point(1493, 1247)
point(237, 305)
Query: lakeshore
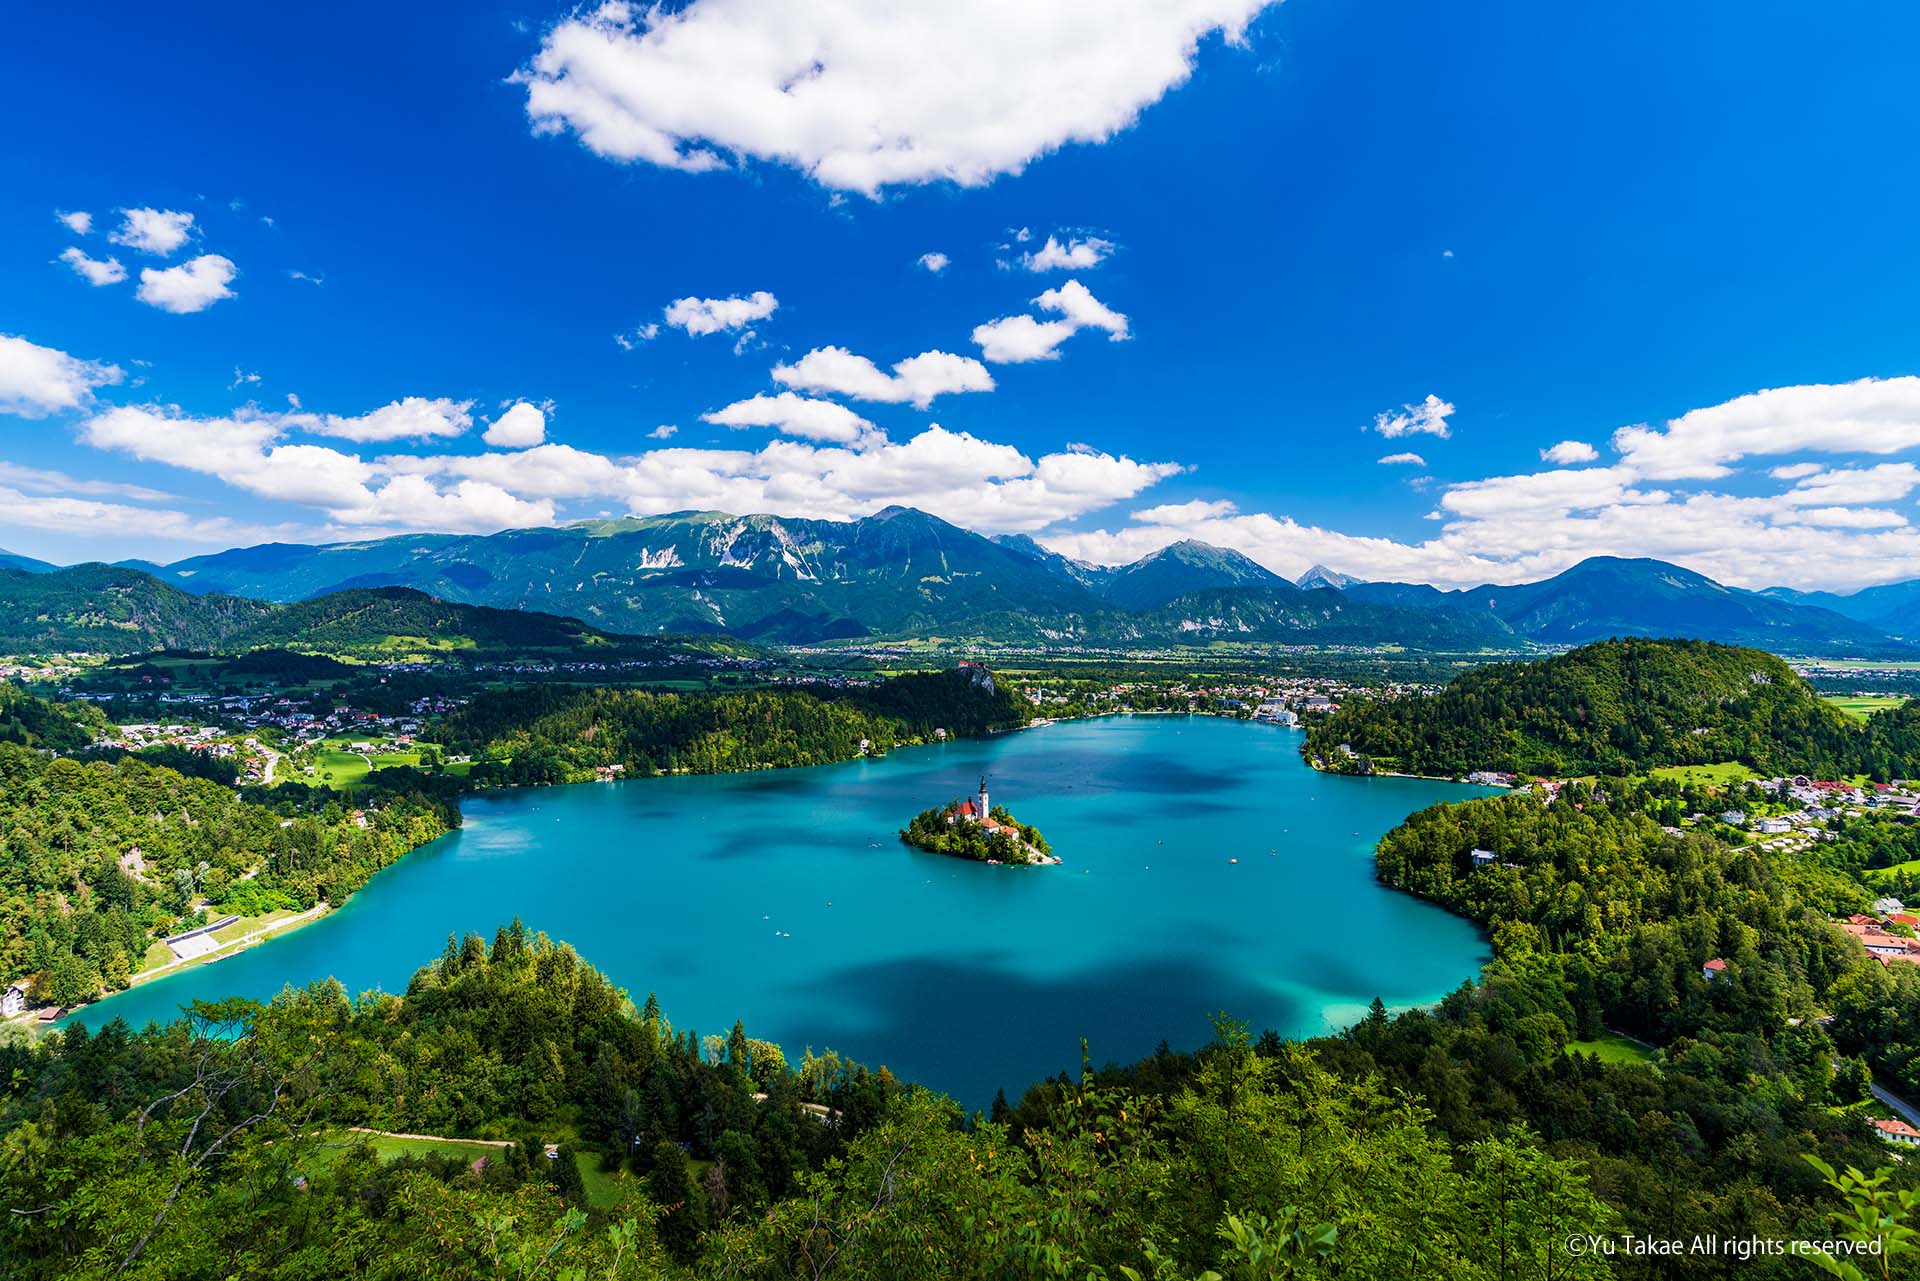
point(784, 897)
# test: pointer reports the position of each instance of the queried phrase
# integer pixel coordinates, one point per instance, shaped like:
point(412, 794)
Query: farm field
point(1861, 706)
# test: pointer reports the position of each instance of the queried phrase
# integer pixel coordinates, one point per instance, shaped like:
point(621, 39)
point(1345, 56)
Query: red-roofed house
point(1898, 1132)
point(1713, 969)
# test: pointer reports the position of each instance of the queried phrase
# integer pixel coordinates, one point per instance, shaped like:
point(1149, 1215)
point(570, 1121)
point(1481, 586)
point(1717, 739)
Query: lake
point(784, 898)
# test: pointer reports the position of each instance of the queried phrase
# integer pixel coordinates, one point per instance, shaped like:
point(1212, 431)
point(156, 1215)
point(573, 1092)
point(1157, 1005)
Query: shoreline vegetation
point(205, 848)
point(1514, 1105)
point(959, 830)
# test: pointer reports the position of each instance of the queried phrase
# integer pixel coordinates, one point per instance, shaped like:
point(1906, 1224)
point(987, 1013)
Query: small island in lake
point(974, 829)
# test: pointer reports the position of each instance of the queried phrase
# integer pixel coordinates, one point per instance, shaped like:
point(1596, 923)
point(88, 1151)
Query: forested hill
point(558, 734)
point(120, 610)
point(1618, 707)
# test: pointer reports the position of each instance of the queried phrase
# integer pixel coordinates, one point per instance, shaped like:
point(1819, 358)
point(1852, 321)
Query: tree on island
point(946, 830)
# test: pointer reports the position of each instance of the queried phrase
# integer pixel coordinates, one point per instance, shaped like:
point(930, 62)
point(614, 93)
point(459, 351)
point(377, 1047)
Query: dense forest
point(1614, 708)
point(96, 855)
point(220, 1147)
point(560, 734)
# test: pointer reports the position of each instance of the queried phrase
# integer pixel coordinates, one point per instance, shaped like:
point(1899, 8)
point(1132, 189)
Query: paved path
point(430, 1138)
point(1907, 1111)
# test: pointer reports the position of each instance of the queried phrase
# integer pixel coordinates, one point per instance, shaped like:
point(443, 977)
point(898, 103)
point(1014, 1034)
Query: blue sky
point(1303, 218)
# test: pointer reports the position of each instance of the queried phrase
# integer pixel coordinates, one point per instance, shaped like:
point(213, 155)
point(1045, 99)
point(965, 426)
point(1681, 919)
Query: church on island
point(976, 810)
point(969, 828)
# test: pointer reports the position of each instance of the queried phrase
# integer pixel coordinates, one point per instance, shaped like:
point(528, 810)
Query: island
point(976, 829)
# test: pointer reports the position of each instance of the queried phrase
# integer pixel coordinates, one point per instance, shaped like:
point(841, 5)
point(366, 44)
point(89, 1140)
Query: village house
point(1483, 858)
point(14, 1000)
point(1713, 969)
point(1900, 1132)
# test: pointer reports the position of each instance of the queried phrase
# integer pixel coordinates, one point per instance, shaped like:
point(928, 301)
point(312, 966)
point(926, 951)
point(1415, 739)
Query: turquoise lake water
point(785, 899)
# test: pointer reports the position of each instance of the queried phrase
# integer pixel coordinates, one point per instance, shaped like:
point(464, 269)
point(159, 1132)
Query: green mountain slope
point(14, 560)
point(116, 610)
point(104, 608)
point(1181, 569)
point(1616, 707)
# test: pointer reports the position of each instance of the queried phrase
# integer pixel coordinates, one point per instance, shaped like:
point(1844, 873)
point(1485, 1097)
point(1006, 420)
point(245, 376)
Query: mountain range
point(1609, 596)
point(904, 573)
point(118, 609)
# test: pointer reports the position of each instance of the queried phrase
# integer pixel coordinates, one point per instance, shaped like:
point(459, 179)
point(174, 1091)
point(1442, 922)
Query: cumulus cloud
point(1794, 471)
point(246, 451)
point(194, 285)
point(935, 262)
point(412, 418)
point(796, 416)
point(1569, 452)
point(1410, 460)
point(915, 380)
point(665, 431)
point(714, 315)
point(522, 426)
point(79, 221)
point(153, 231)
point(634, 337)
point(865, 94)
point(1075, 255)
point(1013, 340)
point(95, 271)
point(1078, 305)
point(1429, 416)
point(1854, 485)
point(1016, 339)
point(36, 381)
point(1870, 416)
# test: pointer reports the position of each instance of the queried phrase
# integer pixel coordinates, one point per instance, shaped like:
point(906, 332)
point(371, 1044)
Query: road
point(1908, 1113)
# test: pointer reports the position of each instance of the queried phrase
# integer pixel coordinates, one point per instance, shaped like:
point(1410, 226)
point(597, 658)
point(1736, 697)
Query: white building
point(14, 1000)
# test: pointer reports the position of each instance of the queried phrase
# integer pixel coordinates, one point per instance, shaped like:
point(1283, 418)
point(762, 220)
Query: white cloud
point(244, 451)
point(193, 286)
point(294, 273)
point(1075, 255)
point(796, 416)
point(864, 94)
point(1016, 339)
point(633, 338)
point(1854, 485)
point(1569, 452)
point(79, 221)
point(1411, 460)
point(935, 262)
point(713, 315)
point(36, 381)
point(141, 526)
point(241, 378)
point(96, 271)
point(522, 426)
point(1870, 416)
point(915, 380)
point(1795, 471)
point(38, 480)
point(413, 418)
point(665, 431)
point(153, 231)
point(1013, 340)
point(978, 483)
point(1073, 301)
point(1430, 416)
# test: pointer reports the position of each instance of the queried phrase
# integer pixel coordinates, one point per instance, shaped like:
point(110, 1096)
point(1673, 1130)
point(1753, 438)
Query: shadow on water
point(909, 1015)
